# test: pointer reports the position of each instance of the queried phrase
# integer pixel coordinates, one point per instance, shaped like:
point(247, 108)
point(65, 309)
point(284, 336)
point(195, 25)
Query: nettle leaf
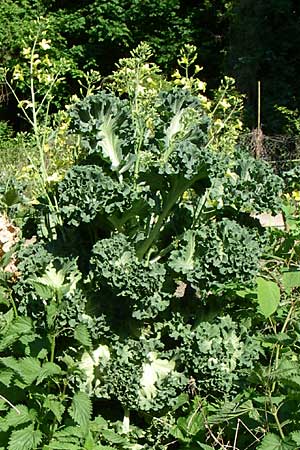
point(68, 438)
point(82, 335)
point(192, 424)
point(29, 369)
point(268, 296)
point(273, 442)
point(55, 406)
point(113, 437)
point(10, 362)
point(6, 376)
point(62, 446)
point(295, 435)
point(21, 326)
point(43, 291)
point(48, 370)
point(81, 409)
point(25, 439)
point(15, 417)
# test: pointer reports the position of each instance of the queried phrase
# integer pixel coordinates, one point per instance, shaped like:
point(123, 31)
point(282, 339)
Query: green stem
point(177, 190)
point(52, 348)
point(13, 305)
point(179, 187)
point(274, 412)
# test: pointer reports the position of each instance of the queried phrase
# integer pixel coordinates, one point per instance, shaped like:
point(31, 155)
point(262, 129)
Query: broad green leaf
point(48, 370)
point(81, 409)
point(206, 447)
point(7, 341)
point(178, 434)
point(291, 280)
point(25, 439)
point(268, 295)
point(82, 335)
point(273, 442)
point(10, 362)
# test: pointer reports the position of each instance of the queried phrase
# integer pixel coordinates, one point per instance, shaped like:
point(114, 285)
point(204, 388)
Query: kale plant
point(153, 223)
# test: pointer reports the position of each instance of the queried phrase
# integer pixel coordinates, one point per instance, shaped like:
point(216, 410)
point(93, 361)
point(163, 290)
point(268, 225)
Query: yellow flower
point(18, 73)
point(26, 51)
point(44, 44)
point(296, 195)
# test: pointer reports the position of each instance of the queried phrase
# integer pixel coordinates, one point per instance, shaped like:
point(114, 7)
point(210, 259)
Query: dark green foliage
point(216, 254)
point(114, 265)
point(218, 354)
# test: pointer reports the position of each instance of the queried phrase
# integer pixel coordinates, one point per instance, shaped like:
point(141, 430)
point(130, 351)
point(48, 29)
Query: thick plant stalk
point(126, 420)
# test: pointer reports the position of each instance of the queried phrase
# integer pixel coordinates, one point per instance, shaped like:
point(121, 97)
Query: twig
point(10, 404)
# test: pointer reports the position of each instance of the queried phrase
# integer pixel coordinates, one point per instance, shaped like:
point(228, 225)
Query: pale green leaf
point(25, 439)
point(155, 370)
point(268, 295)
point(10, 362)
point(110, 142)
point(52, 278)
point(81, 409)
